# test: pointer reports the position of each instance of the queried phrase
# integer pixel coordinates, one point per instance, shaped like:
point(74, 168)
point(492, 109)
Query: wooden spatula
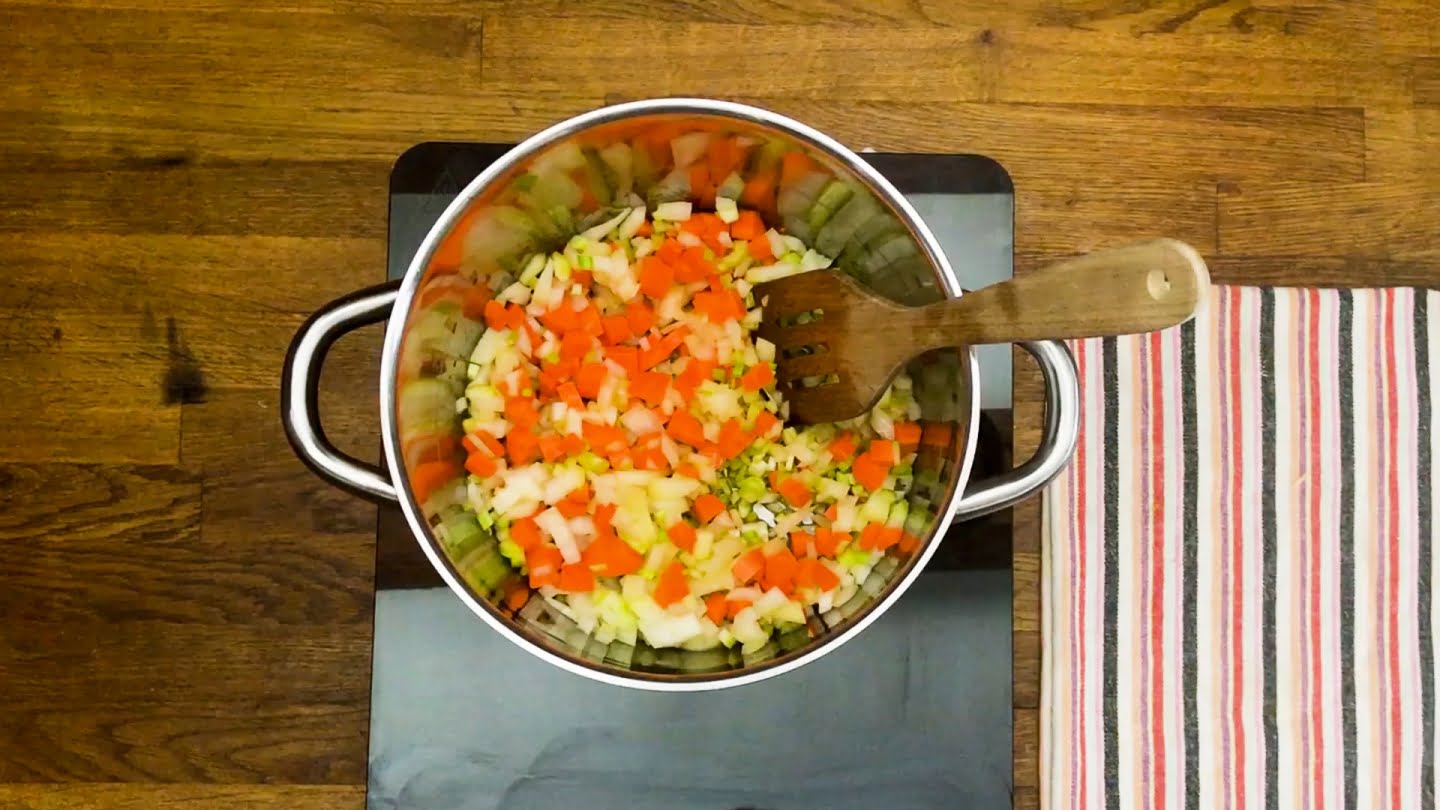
point(837, 363)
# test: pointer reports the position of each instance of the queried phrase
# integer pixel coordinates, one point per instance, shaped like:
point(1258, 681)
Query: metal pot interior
point(564, 180)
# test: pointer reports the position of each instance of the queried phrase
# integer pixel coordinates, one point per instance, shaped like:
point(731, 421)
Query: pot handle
point(1062, 425)
point(300, 383)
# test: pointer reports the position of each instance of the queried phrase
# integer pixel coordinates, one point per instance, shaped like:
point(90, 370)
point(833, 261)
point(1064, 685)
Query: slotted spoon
point(836, 364)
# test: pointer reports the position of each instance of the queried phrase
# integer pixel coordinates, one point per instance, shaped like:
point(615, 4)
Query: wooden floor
point(186, 610)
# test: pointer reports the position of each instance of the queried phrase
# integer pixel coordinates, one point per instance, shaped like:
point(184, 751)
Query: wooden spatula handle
point(1136, 288)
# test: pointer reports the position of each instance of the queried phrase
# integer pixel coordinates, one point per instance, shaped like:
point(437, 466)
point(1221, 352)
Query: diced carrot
point(907, 434)
point(645, 228)
point(936, 434)
point(870, 472)
point(908, 542)
point(793, 166)
point(759, 192)
point(696, 371)
point(482, 464)
point(671, 586)
point(842, 447)
point(884, 451)
point(561, 319)
point(589, 378)
point(870, 536)
point(715, 607)
point(473, 305)
point(670, 251)
point(582, 277)
point(748, 226)
point(693, 266)
point(652, 458)
point(574, 445)
point(575, 345)
point(828, 541)
point(429, 476)
point(734, 606)
point(577, 578)
point(525, 532)
point(878, 537)
point(489, 442)
point(521, 445)
point(800, 543)
point(794, 491)
point(571, 509)
point(682, 534)
point(640, 316)
point(570, 395)
point(495, 316)
point(608, 555)
point(514, 315)
point(805, 572)
point(702, 186)
point(521, 411)
point(719, 307)
point(749, 565)
point(759, 249)
point(660, 350)
point(764, 423)
point(604, 517)
point(650, 386)
point(616, 328)
point(553, 374)
point(604, 439)
point(733, 439)
point(544, 563)
point(689, 471)
point(590, 321)
point(656, 277)
point(708, 507)
point(780, 570)
point(723, 156)
point(757, 377)
point(626, 357)
point(516, 594)
point(833, 512)
point(825, 579)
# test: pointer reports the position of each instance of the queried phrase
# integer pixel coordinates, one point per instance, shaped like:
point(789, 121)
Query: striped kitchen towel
point(1237, 593)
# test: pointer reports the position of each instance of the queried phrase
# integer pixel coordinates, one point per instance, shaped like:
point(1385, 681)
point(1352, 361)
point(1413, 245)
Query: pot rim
point(394, 333)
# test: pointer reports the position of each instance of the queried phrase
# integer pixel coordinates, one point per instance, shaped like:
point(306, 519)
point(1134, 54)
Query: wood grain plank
point(1371, 220)
point(1027, 748)
point(99, 544)
point(1078, 216)
point(92, 273)
point(1028, 394)
point(142, 303)
point(166, 86)
point(169, 740)
point(174, 195)
point(1426, 80)
point(190, 797)
point(1048, 143)
point(48, 663)
point(854, 63)
point(1027, 55)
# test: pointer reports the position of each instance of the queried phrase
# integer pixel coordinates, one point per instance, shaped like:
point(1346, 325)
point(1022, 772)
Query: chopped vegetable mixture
point(626, 442)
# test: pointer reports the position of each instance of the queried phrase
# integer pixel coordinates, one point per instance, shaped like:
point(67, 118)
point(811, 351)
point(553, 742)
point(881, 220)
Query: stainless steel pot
point(524, 201)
